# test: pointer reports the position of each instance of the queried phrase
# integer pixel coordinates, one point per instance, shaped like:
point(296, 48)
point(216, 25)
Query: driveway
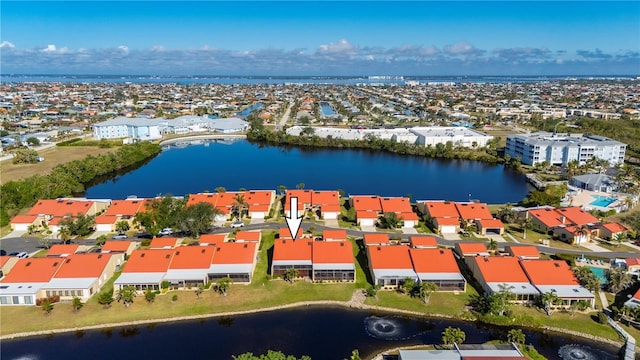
point(15, 234)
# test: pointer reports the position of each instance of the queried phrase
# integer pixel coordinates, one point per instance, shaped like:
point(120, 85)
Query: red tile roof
point(332, 252)
point(447, 221)
point(163, 242)
point(125, 207)
point(549, 272)
point(367, 214)
point(24, 219)
point(472, 248)
point(614, 227)
point(304, 197)
point(33, 270)
point(212, 238)
point(116, 246)
point(83, 266)
point(292, 250)
point(548, 217)
point(395, 205)
point(434, 261)
point(235, 253)
point(441, 209)
point(501, 269)
point(204, 197)
point(491, 224)
point(366, 203)
point(61, 207)
point(149, 261)
point(523, 251)
point(389, 257)
point(285, 233)
point(473, 211)
point(334, 234)
point(248, 236)
point(326, 199)
point(106, 219)
point(423, 241)
point(577, 216)
point(192, 257)
point(376, 239)
point(62, 249)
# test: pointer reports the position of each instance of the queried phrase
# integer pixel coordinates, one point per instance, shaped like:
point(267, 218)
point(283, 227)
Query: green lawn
point(439, 303)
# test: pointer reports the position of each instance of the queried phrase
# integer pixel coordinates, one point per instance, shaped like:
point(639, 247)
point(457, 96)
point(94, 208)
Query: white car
point(237, 224)
point(165, 231)
point(22, 255)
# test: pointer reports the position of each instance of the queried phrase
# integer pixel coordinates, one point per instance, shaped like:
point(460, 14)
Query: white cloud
point(342, 47)
point(462, 48)
point(7, 44)
point(124, 49)
point(49, 48)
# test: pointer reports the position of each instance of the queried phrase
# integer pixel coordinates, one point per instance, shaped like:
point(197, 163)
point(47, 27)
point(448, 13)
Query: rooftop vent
point(100, 256)
point(246, 246)
point(167, 256)
point(202, 251)
point(177, 253)
point(142, 255)
point(28, 264)
point(55, 264)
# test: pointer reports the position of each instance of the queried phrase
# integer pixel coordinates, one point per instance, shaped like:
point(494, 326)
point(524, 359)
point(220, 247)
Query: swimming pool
point(600, 273)
point(602, 201)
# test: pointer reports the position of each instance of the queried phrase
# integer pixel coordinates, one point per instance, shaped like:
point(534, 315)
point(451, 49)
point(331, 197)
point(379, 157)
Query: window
point(16, 300)
point(28, 300)
point(4, 300)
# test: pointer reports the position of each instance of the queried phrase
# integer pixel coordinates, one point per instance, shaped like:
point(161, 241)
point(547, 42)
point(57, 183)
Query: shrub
point(602, 317)
point(174, 298)
point(50, 299)
point(165, 284)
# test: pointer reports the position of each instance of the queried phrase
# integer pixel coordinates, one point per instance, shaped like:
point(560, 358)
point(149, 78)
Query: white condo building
point(151, 129)
point(559, 149)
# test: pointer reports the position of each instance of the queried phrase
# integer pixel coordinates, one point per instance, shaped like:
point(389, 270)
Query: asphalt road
point(31, 244)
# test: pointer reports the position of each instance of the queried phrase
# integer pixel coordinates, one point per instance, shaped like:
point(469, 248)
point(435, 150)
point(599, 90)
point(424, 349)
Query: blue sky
point(321, 38)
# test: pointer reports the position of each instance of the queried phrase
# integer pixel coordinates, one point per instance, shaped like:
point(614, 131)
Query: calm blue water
point(326, 109)
point(244, 113)
point(197, 168)
point(602, 201)
point(322, 333)
point(600, 273)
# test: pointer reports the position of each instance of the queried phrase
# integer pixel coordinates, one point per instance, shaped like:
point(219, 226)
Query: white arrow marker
point(293, 221)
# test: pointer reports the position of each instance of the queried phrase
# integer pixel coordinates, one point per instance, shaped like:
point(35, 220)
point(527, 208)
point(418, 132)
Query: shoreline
point(345, 304)
point(202, 137)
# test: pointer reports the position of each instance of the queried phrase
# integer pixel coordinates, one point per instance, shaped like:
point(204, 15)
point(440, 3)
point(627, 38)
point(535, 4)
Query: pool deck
point(585, 197)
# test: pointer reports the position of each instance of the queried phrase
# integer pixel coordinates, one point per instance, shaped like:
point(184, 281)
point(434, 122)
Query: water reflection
point(394, 328)
point(582, 352)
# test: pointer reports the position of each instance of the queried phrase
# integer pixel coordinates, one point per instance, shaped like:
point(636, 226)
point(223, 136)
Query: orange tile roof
point(125, 207)
point(389, 257)
point(472, 211)
point(637, 294)
point(523, 251)
point(549, 272)
point(4, 259)
point(24, 219)
point(548, 217)
point(472, 248)
point(396, 205)
point(441, 209)
point(210, 198)
point(258, 197)
point(234, 253)
point(430, 241)
point(365, 214)
point(116, 245)
point(163, 242)
point(254, 236)
point(376, 239)
point(192, 257)
point(447, 221)
point(409, 216)
point(614, 227)
point(366, 203)
point(433, 261)
point(227, 199)
point(304, 197)
point(332, 252)
point(83, 266)
point(577, 216)
point(501, 269)
point(491, 223)
point(334, 234)
point(60, 207)
point(149, 261)
point(33, 270)
point(326, 199)
point(106, 219)
point(61, 249)
point(292, 250)
point(212, 238)
point(285, 233)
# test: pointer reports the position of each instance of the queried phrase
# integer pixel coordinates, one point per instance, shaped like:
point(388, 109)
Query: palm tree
point(222, 285)
point(122, 226)
point(452, 335)
point(126, 295)
point(618, 280)
point(77, 304)
point(426, 289)
point(525, 224)
point(493, 244)
point(239, 206)
point(47, 307)
point(579, 232)
point(516, 336)
point(64, 234)
point(291, 274)
point(549, 299)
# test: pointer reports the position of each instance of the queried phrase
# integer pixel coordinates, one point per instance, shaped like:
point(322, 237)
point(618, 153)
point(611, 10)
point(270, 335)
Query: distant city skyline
point(423, 38)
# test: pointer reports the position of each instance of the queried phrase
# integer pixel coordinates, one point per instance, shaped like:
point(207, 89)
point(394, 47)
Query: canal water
point(324, 333)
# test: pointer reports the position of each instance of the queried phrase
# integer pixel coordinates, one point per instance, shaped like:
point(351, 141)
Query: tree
point(270, 355)
point(199, 291)
point(47, 307)
point(25, 156)
point(64, 233)
point(126, 295)
point(150, 296)
point(587, 278)
point(525, 225)
point(300, 186)
point(426, 289)
point(77, 304)
point(291, 274)
point(222, 285)
point(408, 285)
point(617, 280)
point(516, 336)
point(372, 291)
point(355, 355)
point(389, 220)
point(161, 213)
point(452, 335)
point(239, 206)
point(197, 218)
point(282, 189)
point(548, 300)
point(122, 226)
point(106, 298)
point(33, 141)
point(580, 232)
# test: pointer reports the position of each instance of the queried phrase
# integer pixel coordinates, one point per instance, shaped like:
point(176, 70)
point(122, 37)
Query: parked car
point(237, 224)
point(22, 255)
point(144, 236)
point(119, 237)
point(165, 231)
